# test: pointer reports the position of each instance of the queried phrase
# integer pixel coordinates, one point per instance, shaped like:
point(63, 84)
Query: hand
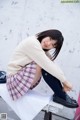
point(67, 86)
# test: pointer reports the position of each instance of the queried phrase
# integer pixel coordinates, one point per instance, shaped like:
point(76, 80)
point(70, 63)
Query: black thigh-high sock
point(54, 84)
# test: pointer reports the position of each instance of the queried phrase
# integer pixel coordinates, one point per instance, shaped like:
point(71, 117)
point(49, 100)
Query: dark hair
point(55, 35)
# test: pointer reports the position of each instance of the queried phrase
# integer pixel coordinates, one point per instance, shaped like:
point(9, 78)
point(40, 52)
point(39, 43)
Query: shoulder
point(32, 41)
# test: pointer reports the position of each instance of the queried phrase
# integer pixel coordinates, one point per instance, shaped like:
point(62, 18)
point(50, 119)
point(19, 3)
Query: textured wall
point(21, 18)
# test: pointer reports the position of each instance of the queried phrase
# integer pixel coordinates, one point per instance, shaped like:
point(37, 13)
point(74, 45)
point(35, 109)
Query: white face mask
point(50, 52)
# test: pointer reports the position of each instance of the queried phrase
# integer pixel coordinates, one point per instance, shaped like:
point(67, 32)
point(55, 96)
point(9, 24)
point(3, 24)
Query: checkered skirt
point(20, 83)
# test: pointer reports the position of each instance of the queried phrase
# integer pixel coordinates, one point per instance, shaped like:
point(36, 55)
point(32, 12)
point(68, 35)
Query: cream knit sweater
point(30, 50)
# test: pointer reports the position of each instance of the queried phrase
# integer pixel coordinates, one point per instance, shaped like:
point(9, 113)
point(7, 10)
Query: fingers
point(66, 89)
point(67, 85)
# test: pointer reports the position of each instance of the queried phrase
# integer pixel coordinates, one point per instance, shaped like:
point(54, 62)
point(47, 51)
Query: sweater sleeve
point(36, 53)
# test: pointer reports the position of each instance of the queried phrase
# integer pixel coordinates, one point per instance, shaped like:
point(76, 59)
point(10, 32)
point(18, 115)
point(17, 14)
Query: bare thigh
point(37, 75)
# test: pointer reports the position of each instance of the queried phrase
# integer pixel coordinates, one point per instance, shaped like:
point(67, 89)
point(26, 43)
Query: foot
point(68, 102)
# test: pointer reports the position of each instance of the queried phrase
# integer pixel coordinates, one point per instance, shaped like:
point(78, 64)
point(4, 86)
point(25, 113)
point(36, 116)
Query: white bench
point(35, 102)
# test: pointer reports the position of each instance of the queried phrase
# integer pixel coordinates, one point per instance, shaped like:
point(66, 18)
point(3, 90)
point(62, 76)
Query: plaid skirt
point(19, 84)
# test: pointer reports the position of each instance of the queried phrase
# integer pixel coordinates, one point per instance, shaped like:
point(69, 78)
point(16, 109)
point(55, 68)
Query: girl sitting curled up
point(30, 61)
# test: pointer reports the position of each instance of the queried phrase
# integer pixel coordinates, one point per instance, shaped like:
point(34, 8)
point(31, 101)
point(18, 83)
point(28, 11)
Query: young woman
point(30, 61)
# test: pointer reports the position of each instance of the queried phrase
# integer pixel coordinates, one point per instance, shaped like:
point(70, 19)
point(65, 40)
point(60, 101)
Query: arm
point(35, 52)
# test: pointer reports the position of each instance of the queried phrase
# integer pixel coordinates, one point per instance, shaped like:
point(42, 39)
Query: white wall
point(21, 18)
